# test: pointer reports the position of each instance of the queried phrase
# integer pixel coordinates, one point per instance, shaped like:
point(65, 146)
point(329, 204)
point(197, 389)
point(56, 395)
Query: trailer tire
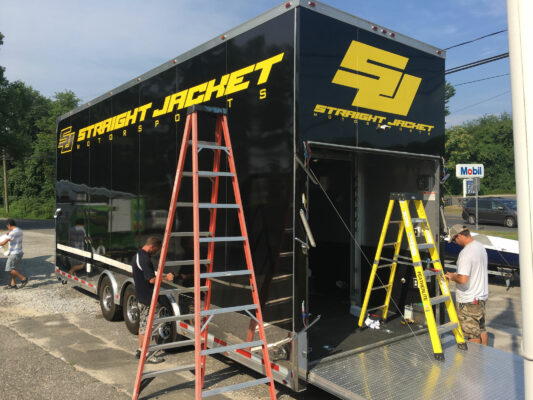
point(130, 309)
point(166, 333)
point(110, 310)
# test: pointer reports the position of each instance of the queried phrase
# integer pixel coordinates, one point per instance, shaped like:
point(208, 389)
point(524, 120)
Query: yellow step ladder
point(406, 224)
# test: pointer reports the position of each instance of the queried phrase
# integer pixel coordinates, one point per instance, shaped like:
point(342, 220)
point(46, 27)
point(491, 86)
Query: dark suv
point(496, 210)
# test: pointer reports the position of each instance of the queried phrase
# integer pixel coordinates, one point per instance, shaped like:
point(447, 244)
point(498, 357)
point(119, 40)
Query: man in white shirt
point(472, 284)
point(14, 237)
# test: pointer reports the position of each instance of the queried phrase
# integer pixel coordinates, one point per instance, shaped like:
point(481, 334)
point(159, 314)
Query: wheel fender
point(126, 283)
point(175, 308)
point(114, 285)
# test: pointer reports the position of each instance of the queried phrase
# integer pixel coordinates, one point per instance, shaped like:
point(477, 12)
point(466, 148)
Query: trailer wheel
point(165, 333)
point(130, 309)
point(110, 310)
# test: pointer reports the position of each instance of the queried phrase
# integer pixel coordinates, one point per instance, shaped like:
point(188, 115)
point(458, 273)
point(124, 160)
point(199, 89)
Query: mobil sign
point(469, 170)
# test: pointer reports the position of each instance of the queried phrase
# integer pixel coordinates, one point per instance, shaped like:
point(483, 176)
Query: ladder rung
point(439, 299)
point(213, 392)
point(188, 234)
point(380, 287)
point(390, 244)
point(209, 174)
point(171, 345)
point(181, 290)
point(151, 374)
point(172, 318)
point(397, 261)
point(375, 308)
point(450, 326)
point(278, 301)
point(184, 262)
point(286, 254)
point(396, 221)
point(422, 246)
point(222, 239)
point(428, 273)
point(231, 347)
point(207, 205)
point(225, 310)
point(282, 277)
point(209, 145)
point(384, 266)
point(224, 274)
point(417, 220)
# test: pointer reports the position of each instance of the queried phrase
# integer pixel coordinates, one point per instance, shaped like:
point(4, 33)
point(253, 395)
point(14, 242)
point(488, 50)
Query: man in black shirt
point(144, 278)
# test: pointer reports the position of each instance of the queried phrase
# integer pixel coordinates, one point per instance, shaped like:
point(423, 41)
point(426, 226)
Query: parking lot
point(56, 344)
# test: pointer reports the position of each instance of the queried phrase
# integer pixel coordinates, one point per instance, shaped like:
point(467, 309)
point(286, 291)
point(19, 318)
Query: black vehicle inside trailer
point(328, 114)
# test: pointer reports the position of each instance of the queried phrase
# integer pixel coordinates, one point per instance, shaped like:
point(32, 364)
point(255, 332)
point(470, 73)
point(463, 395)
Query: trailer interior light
point(312, 3)
point(374, 28)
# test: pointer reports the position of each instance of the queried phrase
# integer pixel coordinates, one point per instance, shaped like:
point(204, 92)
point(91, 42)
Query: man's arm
point(453, 276)
point(167, 277)
point(6, 240)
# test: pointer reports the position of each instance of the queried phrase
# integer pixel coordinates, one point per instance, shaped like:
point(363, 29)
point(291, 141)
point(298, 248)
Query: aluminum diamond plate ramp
point(407, 370)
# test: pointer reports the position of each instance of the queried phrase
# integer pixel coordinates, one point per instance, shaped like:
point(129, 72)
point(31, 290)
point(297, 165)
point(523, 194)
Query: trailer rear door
point(407, 370)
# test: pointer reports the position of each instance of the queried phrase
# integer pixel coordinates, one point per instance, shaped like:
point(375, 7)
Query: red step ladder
point(203, 313)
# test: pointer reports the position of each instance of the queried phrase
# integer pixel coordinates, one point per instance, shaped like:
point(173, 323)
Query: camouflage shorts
point(472, 318)
point(143, 317)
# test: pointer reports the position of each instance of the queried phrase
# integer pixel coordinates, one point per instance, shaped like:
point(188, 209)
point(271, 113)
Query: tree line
point(28, 138)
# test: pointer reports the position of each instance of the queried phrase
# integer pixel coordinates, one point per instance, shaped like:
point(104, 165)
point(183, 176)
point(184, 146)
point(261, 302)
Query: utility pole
point(4, 165)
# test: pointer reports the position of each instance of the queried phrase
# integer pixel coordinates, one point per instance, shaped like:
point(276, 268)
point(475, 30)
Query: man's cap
point(456, 229)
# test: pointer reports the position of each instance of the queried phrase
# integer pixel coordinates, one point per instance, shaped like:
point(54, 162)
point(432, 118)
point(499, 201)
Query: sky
point(94, 46)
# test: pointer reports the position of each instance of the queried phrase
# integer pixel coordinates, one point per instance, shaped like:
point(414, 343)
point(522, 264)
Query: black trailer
point(328, 114)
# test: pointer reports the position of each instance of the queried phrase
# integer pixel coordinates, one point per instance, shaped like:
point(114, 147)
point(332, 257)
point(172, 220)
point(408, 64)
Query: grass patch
point(453, 210)
point(502, 234)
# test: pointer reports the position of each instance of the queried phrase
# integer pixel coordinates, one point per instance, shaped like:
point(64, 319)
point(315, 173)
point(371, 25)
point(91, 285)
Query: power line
point(476, 63)
point(479, 80)
point(475, 40)
point(480, 102)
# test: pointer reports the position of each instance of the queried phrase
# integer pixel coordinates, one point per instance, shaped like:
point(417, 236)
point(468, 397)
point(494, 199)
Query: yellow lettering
point(177, 117)
point(192, 91)
point(143, 110)
point(163, 109)
point(107, 125)
point(120, 122)
point(266, 66)
point(229, 102)
point(156, 122)
point(110, 136)
point(98, 128)
point(131, 117)
point(177, 99)
point(236, 81)
point(319, 108)
point(140, 128)
point(263, 94)
point(211, 87)
point(124, 132)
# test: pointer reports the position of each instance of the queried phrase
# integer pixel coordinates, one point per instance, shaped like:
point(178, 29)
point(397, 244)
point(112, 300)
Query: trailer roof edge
point(260, 19)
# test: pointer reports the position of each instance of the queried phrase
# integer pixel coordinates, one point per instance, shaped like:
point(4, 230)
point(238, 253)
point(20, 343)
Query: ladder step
point(422, 246)
point(188, 234)
point(171, 345)
point(225, 273)
point(231, 347)
point(225, 310)
point(207, 205)
point(278, 301)
point(450, 326)
point(439, 299)
point(418, 220)
point(375, 308)
point(384, 266)
point(209, 145)
point(189, 367)
point(223, 239)
point(213, 392)
point(380, 287)
point(286, 254)
point(281, 277)
point(184, 262)
point(397, 261)
point(396, 221)
point(390, 244)
point(209, 174)
point(181, 290)
point(172, 318)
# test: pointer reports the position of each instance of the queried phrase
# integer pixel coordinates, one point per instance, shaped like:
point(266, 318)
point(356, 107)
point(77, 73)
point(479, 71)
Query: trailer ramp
point(407, 370)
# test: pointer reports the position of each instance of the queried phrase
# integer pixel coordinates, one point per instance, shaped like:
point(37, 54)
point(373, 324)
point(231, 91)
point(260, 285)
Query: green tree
point(488, 141)
point(449, 92)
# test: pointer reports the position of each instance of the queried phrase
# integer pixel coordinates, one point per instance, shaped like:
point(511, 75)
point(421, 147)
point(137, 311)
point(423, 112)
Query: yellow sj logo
point(382, 85)
point(66, 140)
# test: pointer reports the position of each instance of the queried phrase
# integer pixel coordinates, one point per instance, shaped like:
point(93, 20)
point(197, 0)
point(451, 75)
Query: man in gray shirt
point(472, 284)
